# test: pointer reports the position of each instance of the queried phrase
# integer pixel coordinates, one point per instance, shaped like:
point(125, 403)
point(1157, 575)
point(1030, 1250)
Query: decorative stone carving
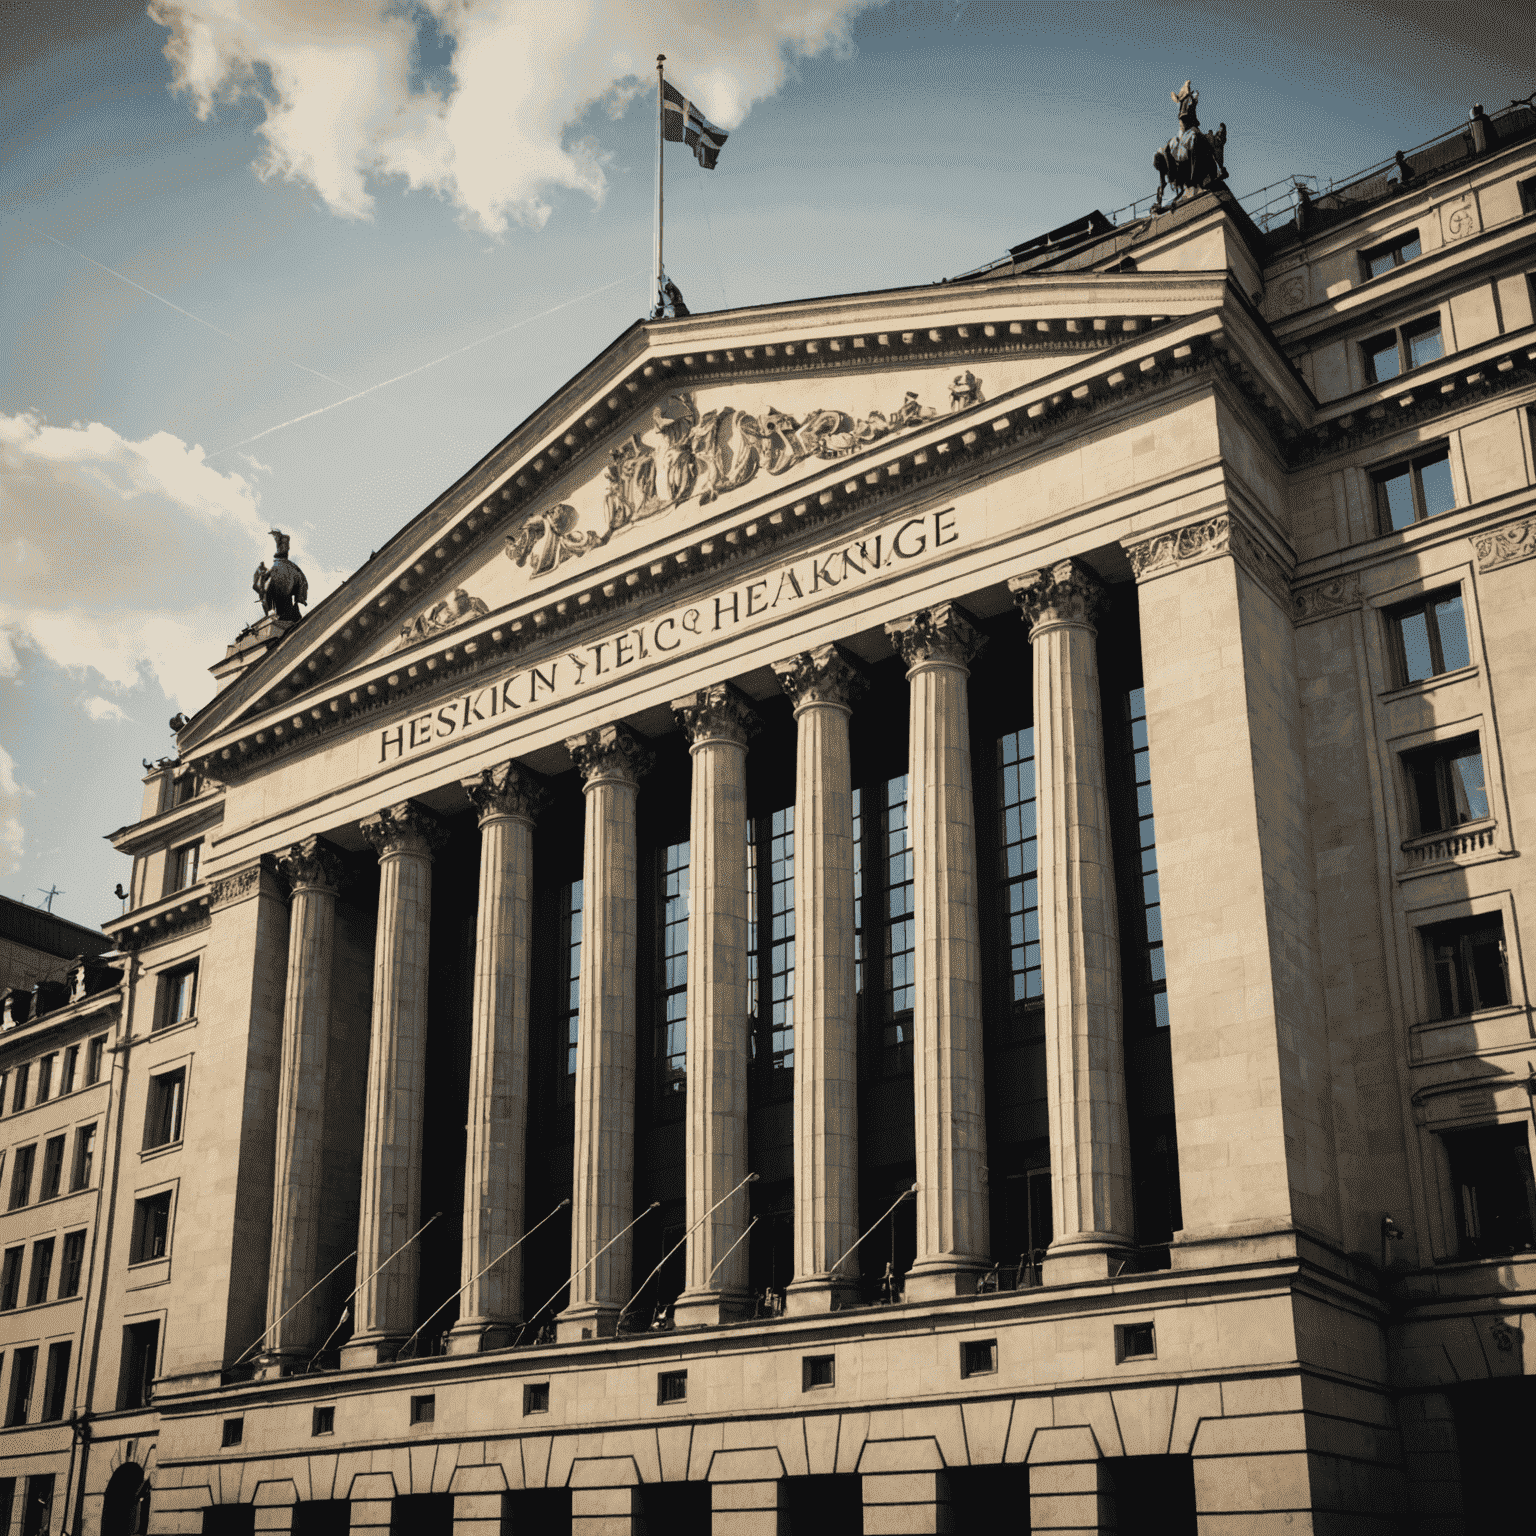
point(1212, 536)
point(610, 752)
point(1064, 593)
point(1292, 293)
point(686, 455)
point(242, 883)
point(1191, 160)
point(1460, 218)
point(944, 633)
point(717, 713)
point(314, 863)
point(403, 828)
point(1328, 598)
point(508, 789)
point(448, 614)
point(823, 676)
point(284, 587)
point(964, 390)
point(1505, 546)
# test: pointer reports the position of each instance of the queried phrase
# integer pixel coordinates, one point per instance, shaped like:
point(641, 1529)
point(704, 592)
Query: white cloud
point(13, 835)
point(99, 708)
point(493, 134)
point(123, 557)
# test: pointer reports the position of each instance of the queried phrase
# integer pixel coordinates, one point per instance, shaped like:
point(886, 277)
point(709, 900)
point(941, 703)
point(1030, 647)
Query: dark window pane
point(1379, 263)
point(1417, 662)
point(1469, 797)
point(1424, 346)
point(1490, 984)
point(1381, 359)
point(1397, 492)
point(1435, 480)
point(1426, 793)
point(1452, 624)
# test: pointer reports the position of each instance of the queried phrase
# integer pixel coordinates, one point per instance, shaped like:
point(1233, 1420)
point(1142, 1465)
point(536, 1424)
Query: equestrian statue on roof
point(1191, 160)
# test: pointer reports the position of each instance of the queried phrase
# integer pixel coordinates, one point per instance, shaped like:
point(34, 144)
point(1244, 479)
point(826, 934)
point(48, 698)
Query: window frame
point(166, 1107)
point(669, 994)
point(322, 1420)
point(884, 972)
point(1424, 604)
point(83, 1164)
point(771, 950)
point(40, 1271)
point(179, 876)
point(1459, 933)
point(1413, 465)
point(18, 1398)
point(668, 1384)
point(12, 1265)
point(70, 1070)
point(1392, 247)
point(20, 1195)
point(173, 984)
point(1401, 336)
point(72, 1263)
point(136, 1390)
point(51, 1181)
point(95, 1057)
point(150, 1235)
point(56, 1381)
point(1455, 1145)
point(45, 1065)
point(970, 1365)
point(1437, 755)
point(21, 1078)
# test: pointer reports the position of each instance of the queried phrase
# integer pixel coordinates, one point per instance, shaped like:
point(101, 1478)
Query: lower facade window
point(10, 1278)
point(1495, 1194)
point(18, 1408)
point(56, 1384)
point(151, 1228)
point(141, 1358)
point(42, 1272)
point(1416, 488)
point(1467, 967)
point(178, 997)
point(1446, 784)
point(162, 1122)
point(74, 1263)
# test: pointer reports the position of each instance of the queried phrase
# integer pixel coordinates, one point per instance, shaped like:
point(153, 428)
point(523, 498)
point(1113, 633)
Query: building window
point(1528, 195)
point(23, 1375)
point(42, 1272)
point(141, 1355)
point(1381, 259)
point(19, 1092)
point(71, 1069)
point(183, 866)
point(37, 1517)
point(1467, 965)
point(672, 975)
point(10, 1278)
point(978, 1357)
point(162, 1122)
point(178, 996)
point(535, 1397)
point(424, 1409)
point(324, 1421)
point(1429, 636)
point(671, 1386)
point(21, 1176)
point(1495, 1197)
point(234, 1432)
point(1407, 346)
point(94, 1051)
point(1154, 974)
point(1445, 782)
point(74, 1263)
point(53, 1168)
point(1018, 865)
point(885, 929)
point(1136, 1341)
point(56, 1383)
point(185, 789)
point(771, 939)
point(817, 1371)
point(571, 927)
point(85, 1158)
point(151, 1228)
point(5, 1077)
point(45, 1078)
point(1411, 490)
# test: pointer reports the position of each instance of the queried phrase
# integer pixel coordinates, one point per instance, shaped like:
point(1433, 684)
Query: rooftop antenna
point(49, 894)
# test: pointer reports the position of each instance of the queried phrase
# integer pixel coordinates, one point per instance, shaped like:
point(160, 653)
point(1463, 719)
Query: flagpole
point(656, 294)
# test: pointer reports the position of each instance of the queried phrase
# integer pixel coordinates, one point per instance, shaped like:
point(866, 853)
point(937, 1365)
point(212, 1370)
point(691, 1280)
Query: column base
point(586, 1322)
point(366, 1349)
point(709, 1309)
point(1084, 1262)
point(273, 1364)
point(476, 1335)
point(819, 1293)
point(941, 1279)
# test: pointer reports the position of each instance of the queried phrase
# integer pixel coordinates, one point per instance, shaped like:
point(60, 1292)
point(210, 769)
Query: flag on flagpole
point(683, 123)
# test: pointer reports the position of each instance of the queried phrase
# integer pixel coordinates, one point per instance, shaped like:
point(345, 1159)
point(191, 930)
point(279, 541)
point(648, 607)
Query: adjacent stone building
point(942, 868)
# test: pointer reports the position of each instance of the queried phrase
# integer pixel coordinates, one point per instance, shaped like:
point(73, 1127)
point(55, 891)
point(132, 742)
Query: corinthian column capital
point(612, 754)
point(943, 633)
point(506, 790)
point(313, 864)
point(403, 828)
point(1064, 593)
point(717, 713)
point(826, 675)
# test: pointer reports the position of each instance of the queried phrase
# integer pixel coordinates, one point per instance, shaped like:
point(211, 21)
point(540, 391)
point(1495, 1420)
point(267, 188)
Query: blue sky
point(500, 181)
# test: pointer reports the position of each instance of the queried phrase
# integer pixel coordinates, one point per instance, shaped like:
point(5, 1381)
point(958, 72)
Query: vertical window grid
point(42, 1272)
point(900, 973)
point(781, 939)
point(1154, 972)
point(73, 1265)
point(71, 1065)
point(1019, 861)
point(572, 925)
point(672, 1025)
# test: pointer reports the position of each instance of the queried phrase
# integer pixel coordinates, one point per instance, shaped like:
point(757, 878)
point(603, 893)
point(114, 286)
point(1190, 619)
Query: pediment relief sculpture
point(692, 455)
point(458, 609)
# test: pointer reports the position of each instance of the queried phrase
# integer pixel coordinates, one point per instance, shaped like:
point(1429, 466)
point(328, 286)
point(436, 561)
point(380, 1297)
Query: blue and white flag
point(683, 123)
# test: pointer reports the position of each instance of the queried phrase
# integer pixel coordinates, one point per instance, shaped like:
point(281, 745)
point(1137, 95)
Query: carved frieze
point(448, 614)
point(508, 789)
point(1064, 593)
point(1337, 595)
point(314, 863)
point(406, 828)
point(612, 754)
point(1210, 537)
point(823, 676)
point(238, 885)
point(943, 633)
point(689, 455)
point(1505, 546)
point(717, 713)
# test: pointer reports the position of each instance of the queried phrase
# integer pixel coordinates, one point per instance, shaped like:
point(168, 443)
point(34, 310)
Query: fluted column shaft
point(822, 684)
point(718, 721)
point(1079, 937)
point(948, 1080)
point(508, 799)
point(293, 1320)
point(388, 1261)
point(611, 762)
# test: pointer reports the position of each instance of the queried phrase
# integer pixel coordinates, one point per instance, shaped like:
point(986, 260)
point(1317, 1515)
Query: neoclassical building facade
point(899, 907)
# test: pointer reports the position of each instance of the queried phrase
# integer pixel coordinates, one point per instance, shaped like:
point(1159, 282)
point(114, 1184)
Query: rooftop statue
point(284, 587)
point(1191, 160)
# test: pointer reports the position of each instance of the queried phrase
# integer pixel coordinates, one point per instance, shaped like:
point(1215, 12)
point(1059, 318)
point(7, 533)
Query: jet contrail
point(422, 367)
point(159, 299)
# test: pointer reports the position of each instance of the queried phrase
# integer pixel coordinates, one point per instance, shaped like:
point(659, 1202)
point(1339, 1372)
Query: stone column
point(948, 1081)
point(405, 837)
point(313, 870)
point(719, 721)
point(508, 799)
point(823, 684)
point(1079, 932)
point(611, 762)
